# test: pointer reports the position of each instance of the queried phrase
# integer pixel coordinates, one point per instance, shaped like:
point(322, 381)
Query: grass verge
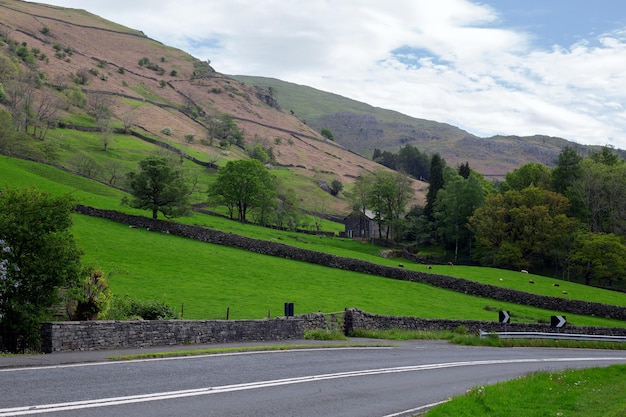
point(240, 349)
point(590, 392)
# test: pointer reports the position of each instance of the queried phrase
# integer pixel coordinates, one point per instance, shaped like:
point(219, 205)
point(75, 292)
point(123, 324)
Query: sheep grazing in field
point(401, 265)
point(564, 292)
point(530, 281)
point(450, 263)
point(523, 271)
point(501, 279)
point(429, 267)
point(556, 285)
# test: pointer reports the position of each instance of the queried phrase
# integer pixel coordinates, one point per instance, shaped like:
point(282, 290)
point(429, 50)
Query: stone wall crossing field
point(93, 335)
point(332, 261)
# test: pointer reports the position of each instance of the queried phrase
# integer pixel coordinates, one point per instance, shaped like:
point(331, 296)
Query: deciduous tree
point(159, 186)
point(599, 256)
point(387, 196)
point(601, 191)
point(40, 256)
point(521, 228)
point(335, 187)
point(455, 203)
point(532, 173)
point(242, 185)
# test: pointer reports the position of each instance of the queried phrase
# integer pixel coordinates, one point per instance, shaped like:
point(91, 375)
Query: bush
point(327, 134)
point(94, 297)
point(127, 308)
point(82, 76)
point(166, 131)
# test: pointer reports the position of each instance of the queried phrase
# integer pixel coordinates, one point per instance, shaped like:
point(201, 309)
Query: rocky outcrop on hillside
point(495, 156)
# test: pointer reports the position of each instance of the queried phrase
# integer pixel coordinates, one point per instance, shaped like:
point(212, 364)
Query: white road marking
point(182, 357)
point(416, 409)
point(131, 399)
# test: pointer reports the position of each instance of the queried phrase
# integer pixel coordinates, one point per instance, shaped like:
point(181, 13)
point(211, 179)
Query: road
point(341, 382)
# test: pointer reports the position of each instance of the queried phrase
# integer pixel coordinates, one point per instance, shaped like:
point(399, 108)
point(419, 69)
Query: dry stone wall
point(97, 335)
point(360, 320)
point(289, 252)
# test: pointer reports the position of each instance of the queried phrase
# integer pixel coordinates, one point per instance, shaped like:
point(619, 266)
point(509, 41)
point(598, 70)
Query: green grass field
point(209, 279)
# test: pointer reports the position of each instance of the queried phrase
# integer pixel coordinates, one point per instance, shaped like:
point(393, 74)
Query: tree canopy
point(528, 174)
point(243, 185)
point(39, 256)
point(159, 186)
point(385, 193)
point(599, 256)
point(520, 228)
point(455, 203)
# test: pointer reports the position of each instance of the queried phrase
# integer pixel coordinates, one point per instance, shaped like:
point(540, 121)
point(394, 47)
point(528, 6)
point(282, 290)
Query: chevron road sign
point(557, 321)
point(505, 317)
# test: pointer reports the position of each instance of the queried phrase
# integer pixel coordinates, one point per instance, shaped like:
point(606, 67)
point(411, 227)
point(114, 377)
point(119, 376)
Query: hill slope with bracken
point(150, 86)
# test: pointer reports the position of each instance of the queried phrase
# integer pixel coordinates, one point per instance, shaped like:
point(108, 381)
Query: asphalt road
point(344, 382)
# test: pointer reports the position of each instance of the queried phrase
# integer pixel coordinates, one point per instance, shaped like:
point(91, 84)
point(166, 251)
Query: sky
point(512, 67)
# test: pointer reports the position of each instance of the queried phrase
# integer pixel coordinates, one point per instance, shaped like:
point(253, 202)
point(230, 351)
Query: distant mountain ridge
point(363, 128)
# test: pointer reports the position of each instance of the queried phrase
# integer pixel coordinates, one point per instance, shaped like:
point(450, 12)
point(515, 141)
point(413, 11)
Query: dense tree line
point(567, 221)
point(409, 160)
point(570, 219)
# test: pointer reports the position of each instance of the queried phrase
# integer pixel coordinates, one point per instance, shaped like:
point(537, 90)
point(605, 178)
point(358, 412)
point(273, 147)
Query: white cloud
point(450, 60)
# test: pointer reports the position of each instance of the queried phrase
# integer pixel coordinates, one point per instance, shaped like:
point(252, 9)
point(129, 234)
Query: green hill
point(363, 128)
point(162, 101)
point(68, 64)
point(209, 279)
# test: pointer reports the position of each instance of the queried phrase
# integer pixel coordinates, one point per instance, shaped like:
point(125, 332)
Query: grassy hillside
point(362, 128)
point(150, 87)
point(209, 278)
point(180, 93)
